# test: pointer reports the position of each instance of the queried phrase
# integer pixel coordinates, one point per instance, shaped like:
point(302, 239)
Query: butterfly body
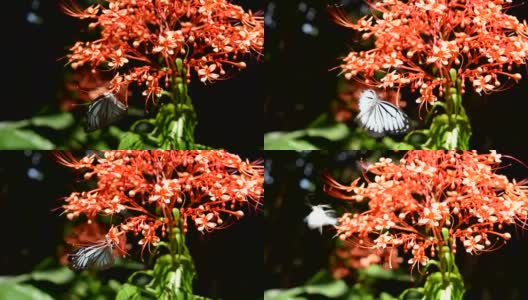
point(103, 111)
point(98, 256)
point(379, 117)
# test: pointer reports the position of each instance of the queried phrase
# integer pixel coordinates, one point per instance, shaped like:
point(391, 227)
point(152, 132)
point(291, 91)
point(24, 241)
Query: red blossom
point(143, 38)
point(411, 201)
point(417, 42)
point(207, 187)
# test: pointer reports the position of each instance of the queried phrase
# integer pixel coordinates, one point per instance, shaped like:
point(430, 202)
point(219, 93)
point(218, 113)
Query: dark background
point(293, 253)
point(228, 110)
point(227, 261)
point(300, 85)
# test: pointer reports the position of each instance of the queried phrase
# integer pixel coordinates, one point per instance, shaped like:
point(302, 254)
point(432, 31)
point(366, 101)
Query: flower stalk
point(175, 122)
point(450, 129)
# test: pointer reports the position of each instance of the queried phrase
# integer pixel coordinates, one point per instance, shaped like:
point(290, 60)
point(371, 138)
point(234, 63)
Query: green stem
point(172, 248)
point(174, 124)
point(451, 129)
point(447, 282)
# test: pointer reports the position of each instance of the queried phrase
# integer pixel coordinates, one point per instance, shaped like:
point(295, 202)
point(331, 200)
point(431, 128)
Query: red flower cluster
point(206, 187)
point(411, 201)
point(143, 38)
point(417, 42)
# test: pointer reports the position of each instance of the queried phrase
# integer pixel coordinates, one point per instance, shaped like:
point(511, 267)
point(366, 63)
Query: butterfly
point(98, 256)
point(103, 111)
point(320, 217)
point(379, 117)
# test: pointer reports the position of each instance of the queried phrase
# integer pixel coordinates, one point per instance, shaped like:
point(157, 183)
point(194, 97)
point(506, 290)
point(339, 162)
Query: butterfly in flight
point(103, 111)
point(321, 215)
point(98, 256)
point(379, 117)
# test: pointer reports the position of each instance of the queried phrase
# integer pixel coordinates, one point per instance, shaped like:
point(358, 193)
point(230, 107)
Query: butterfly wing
point(383, 118)
point(81, 258)
point(103, 111)
point(98, 256)
point(104, 259)
point(395, 121)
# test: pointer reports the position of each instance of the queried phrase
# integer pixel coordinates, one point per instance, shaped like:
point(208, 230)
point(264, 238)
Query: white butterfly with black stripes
point(103, 111)
point(98, 256)
point(379, 117)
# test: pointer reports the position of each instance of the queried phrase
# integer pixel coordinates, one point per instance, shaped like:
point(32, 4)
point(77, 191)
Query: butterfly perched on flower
point(103, 111)
point(98, 256)
point(379, 117)
point(320, 216)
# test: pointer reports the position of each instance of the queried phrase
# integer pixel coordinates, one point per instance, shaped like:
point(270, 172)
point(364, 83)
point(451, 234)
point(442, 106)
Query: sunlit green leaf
point(378, 272)
point(132, 140)
point(331, 289)
point(14, 124)
point(335, 132)
point(129, 292)
point(16, 139)
point(57, 121)
point(22, 292)
point(60, 275)
point(283, 294)
point(286, 141)
point(448, 133)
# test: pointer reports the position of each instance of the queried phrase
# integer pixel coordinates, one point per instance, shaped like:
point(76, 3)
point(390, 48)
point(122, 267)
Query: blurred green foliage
point(54, 131)
point(324, 285)
point(326, 133)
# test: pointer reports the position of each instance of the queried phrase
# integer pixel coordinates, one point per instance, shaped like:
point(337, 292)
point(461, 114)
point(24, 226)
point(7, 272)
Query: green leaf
point(14, 124)
point(449, 134)
point(283, 294)
point(57, 121)
point(321, 121)
point(450, 286)
point(287, 141)
point(129, 291)
point(115, 132)
point(412, 294)
point(57, 276)
point(179, 64)
point(132, 140)
point(453, 74)
point(114, 285)
point(386, 296)
point(403, 146)
point(15, 139)
point(332, 289)
point(378, 272)
point(335, 132)
point(22, 292)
